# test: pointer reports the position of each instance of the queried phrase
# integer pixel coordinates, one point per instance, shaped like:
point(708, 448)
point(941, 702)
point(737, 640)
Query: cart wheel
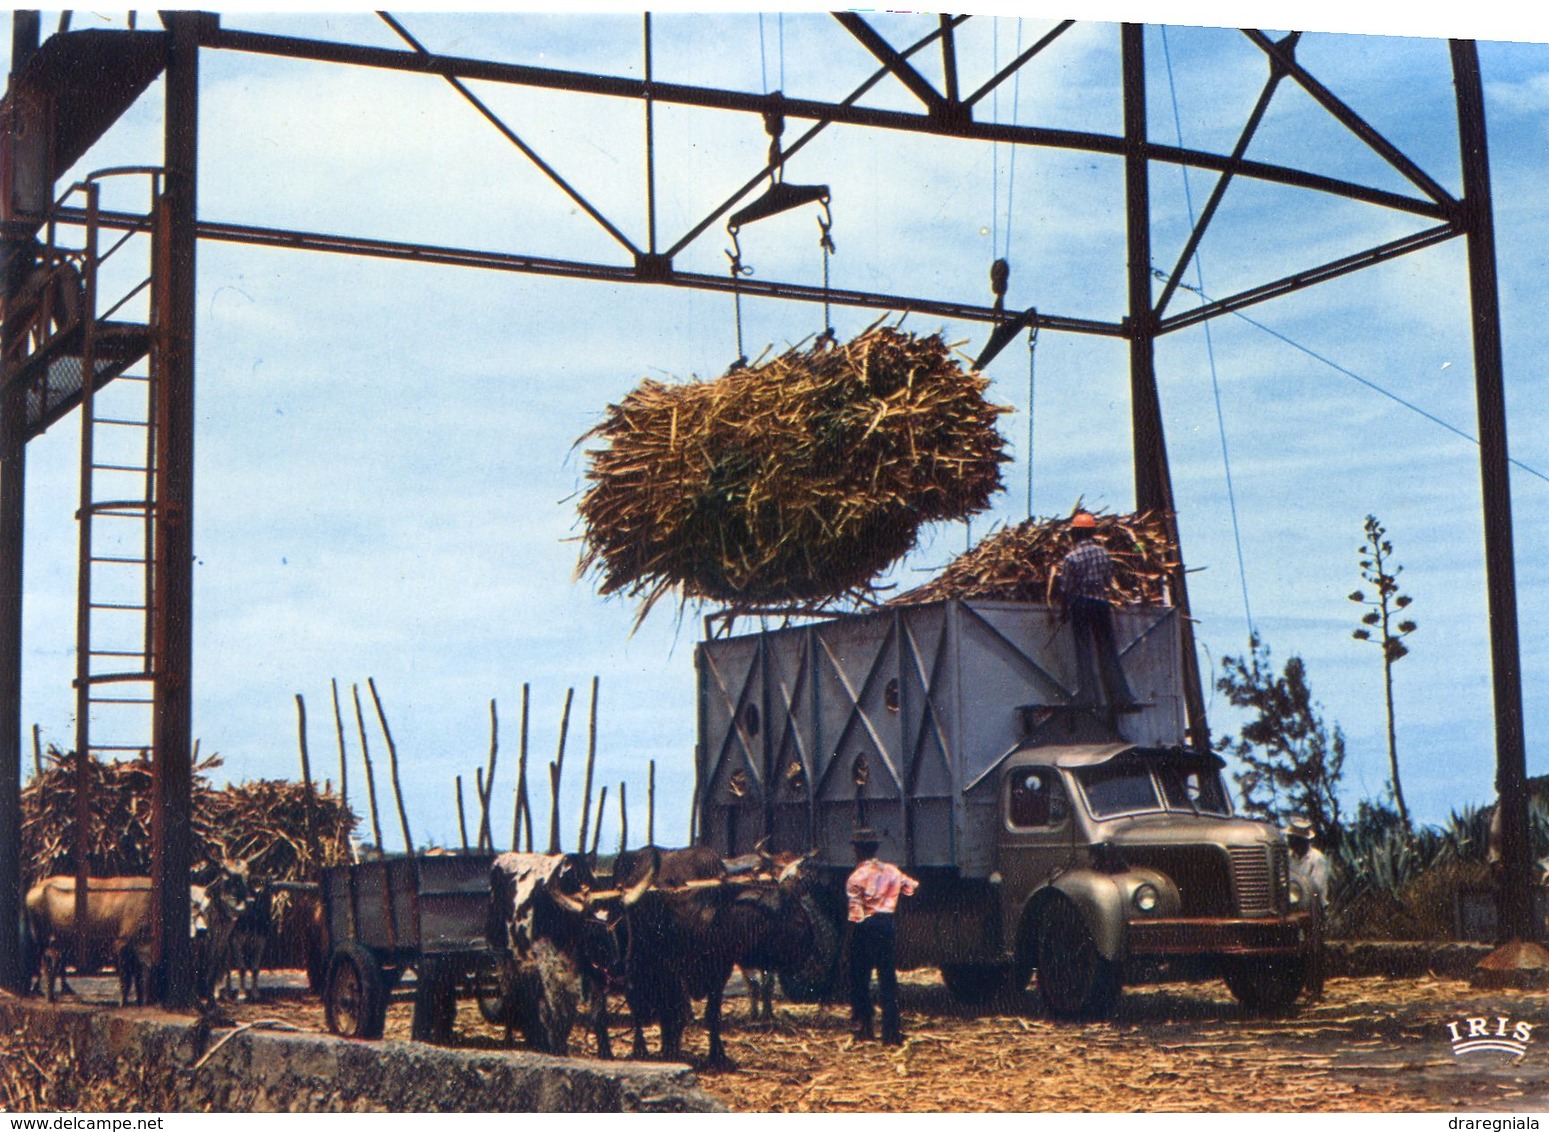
point(435, 1002)
point(356, 1003)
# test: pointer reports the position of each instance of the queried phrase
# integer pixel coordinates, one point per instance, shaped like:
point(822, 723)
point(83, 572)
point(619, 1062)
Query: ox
point(228, 898)
point(118, 925)
point(788, 938)
point(688, 932)
point(562, 944)
point(251, 927)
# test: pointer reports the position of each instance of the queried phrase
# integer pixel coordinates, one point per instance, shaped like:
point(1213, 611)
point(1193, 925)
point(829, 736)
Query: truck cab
point(1114, 859)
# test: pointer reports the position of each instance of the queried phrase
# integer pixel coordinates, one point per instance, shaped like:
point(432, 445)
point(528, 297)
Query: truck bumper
point(1266, 936)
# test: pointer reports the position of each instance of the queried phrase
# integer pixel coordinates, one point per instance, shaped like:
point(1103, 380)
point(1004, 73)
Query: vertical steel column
point(1153, 479)
point(13, 501)
point(174, 414)
point(1517, 919)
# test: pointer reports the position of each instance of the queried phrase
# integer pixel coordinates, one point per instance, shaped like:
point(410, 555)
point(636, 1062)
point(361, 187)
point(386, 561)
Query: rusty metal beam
point(1207, 214)
point(718, 99)
point(889, 56)
point(13, 500)
point(1517, 920)
point(1153, 476)
point(172, 617)
point(1313, 276)
point(1283, 56)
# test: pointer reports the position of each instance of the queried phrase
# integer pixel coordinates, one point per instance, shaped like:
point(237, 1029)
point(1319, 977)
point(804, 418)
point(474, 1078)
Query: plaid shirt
point(1085, 572)
point(875, 886)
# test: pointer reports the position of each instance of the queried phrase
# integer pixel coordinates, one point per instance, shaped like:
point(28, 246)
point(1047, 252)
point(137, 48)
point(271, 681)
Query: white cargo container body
point(922, 702)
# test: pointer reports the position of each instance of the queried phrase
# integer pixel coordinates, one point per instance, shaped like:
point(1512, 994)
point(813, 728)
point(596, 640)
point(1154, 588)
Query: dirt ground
point(1372, 1045)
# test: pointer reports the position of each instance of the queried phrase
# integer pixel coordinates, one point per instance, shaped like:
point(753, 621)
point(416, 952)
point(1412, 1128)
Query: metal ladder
point(115, 681)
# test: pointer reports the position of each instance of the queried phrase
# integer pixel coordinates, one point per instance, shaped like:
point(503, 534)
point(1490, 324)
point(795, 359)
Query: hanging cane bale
point(796, 480)
point(1019, 563)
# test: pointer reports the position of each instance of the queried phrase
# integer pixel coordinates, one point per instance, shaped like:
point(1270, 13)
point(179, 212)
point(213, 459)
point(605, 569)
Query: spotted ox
point(560, 936)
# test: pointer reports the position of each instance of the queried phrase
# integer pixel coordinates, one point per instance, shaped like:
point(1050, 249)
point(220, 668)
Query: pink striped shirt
point(875, 886)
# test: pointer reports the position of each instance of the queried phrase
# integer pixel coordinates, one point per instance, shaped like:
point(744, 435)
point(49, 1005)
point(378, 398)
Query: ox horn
point(567, 902)
point(633, 894)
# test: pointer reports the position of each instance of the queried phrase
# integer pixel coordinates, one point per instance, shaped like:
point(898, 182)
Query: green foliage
point(1381, 872)
point(1292, 761)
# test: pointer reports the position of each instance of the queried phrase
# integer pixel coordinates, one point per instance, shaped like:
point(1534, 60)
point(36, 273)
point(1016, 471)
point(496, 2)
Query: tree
point(1292, 760)
point(1382, 611)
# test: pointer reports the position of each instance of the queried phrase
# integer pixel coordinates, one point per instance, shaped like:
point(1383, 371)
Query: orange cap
point(1083, 519)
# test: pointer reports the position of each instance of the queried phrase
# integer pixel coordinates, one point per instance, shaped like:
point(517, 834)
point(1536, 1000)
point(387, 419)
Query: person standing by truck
point(1310, 866)
point(872, 893)
point(1082, 586)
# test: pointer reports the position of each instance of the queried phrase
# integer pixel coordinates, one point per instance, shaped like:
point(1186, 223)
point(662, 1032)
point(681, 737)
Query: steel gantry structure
point(67, 90)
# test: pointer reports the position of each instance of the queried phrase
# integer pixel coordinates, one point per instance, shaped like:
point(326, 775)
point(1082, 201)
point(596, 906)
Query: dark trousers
point(873, 947)
point(1097, 654)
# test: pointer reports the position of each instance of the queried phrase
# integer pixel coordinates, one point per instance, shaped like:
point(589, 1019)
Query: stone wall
point(257, 1070)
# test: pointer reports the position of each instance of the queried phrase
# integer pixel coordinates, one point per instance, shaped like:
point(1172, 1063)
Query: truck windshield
point(1193, 790)
point(1132, 788)
point(1118, 788)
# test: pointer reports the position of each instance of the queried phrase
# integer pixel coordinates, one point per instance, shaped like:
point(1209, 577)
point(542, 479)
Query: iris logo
point(1481, 1035)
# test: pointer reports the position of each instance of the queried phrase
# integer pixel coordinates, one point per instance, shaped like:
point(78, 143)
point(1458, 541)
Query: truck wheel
point(1074, 979)
point(356, 1003)
point(974, 984)
point(1265, 986)
point(815, 979)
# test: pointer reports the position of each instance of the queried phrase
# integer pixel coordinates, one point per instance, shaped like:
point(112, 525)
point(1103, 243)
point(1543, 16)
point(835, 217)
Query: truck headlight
point(1146, 898)
point(1297, 893)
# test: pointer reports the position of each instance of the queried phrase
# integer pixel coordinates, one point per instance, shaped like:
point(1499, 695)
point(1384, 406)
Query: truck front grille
point(1200, 872)
point(1253, 879)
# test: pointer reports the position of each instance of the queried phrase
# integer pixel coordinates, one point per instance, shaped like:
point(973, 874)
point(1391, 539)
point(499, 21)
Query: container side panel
point(1149, 646)
point(1009, 655)
point(856, 663)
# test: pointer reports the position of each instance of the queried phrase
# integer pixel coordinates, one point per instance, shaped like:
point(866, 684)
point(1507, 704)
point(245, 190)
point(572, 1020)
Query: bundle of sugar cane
point(263, 822)
point(1020, 563)
point(796, 480)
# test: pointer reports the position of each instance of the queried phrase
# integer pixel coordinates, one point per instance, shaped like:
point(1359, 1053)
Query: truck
point(1082, 842)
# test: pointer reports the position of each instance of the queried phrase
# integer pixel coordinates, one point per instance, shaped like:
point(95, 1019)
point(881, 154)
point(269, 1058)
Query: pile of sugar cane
point(1020, 563)
point(796, 480)
point(272, 825)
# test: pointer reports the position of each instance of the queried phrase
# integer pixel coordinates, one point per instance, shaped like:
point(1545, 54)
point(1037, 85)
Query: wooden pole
point(481, 787)
point(650, 805)
point(623, 820)
point(344, 769)
point(462, 820)
point(365, 754)
point(602, 801)
point(306, 784)
point(554, 810)
point(486, 835)
point(591, 763)
point(392, 762)
point(556, 769)
point(522, 810)
point(37, 751)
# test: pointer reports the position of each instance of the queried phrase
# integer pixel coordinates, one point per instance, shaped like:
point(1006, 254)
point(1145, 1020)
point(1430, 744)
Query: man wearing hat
point(873, 891)
point(1310, 866)
point(1084, 575)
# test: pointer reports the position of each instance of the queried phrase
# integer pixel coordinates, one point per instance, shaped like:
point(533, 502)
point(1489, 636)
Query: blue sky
point(386, 477)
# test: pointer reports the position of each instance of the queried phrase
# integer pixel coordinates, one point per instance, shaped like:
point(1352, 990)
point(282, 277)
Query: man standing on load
point(873, 891)
point(1082, 585)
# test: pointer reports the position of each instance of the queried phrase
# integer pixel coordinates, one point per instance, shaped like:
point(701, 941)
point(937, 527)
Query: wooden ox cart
point(428, 914)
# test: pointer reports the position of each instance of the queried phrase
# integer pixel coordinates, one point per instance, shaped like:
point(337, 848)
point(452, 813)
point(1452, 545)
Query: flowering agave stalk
point(1380, 625)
